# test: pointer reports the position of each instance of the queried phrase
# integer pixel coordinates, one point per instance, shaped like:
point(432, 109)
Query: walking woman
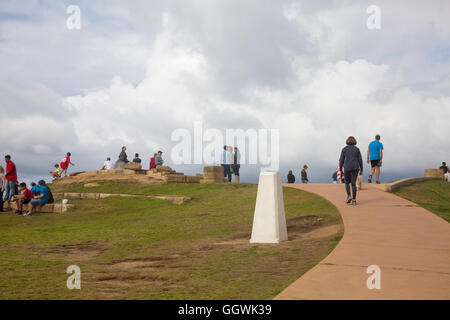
point(351, 161)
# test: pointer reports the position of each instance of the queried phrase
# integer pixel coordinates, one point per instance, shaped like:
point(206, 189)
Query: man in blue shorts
point(375, 157)
point(40, 199)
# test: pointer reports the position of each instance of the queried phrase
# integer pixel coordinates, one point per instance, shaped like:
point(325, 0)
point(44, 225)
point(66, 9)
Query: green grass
point(145, 248)
point(433, 195)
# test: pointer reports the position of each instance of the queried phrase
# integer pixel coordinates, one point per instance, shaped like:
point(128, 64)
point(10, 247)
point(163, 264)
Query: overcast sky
point(138, 70)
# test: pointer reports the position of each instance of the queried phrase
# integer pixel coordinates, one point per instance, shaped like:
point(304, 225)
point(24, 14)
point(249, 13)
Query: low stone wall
point(96, 196)
point(47, 208)
point(406, 182)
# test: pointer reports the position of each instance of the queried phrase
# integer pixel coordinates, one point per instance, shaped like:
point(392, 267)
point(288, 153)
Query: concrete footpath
point(409, 244)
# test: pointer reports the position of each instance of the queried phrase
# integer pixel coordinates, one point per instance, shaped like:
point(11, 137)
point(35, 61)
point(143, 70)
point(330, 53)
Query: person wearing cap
point(158, 159)
point(375, 158)
point(304, 175)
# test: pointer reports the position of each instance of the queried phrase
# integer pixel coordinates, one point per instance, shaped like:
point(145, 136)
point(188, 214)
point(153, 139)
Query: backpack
point(50, 196)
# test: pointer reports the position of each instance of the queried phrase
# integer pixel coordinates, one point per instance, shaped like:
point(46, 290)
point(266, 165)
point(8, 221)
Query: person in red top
point(24, 197)
point(11, 179)
point(64, 165)
point(152, 162)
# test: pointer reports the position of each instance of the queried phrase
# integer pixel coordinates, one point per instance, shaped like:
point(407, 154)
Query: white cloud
point(313, 71)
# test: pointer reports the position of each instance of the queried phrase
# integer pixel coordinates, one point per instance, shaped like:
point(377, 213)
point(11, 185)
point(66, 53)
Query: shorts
point(26, 201)
point(37, 202)
point(375, 163)
point(236, 169)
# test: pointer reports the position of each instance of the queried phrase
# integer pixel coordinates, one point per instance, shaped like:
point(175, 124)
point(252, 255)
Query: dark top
point(291, 178)
point(445, 169)
point(334, 176)
point(137, 160)
point(350, 159)
point(304, 175)
point(123, 156)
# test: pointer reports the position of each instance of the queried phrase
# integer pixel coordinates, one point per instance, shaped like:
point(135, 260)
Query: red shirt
point(152, 163)
point(27, 193)
point(10, 166)
point(65, 165)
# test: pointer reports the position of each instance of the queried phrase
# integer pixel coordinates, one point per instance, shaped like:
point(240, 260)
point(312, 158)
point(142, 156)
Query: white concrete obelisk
point(269, 222)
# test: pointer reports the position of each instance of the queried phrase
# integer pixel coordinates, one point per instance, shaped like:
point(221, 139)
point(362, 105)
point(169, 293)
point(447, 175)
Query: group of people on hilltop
point(231, 162)
point(121, 162)
point(11, 190)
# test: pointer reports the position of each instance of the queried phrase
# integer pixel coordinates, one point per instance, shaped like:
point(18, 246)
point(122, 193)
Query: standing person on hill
point(11, 179)
point(351, 161)
point(65, 162)
point(226, 163)
point(304, 175)
point(290, 177)
point(2, 186)
point(236, 164)
point(152, 162)
point(334, 176)
point(375, 157)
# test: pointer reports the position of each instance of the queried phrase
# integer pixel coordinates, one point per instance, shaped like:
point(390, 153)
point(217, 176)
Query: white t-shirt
point(108, 165)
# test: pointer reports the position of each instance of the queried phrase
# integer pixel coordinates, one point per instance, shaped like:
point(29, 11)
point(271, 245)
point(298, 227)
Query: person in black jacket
point(351, 160)
point(291, 177)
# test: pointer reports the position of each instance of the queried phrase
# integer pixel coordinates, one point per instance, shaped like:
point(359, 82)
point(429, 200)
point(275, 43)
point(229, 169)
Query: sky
point(136, 71)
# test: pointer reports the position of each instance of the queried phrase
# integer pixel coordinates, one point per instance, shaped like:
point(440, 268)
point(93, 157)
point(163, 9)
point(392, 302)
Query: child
point(24, 197)
point(34, 189)
point(57, 173)
point(65, 163)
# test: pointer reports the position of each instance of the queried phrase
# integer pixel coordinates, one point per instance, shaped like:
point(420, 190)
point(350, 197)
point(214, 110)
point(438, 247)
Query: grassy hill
point(144, 248)
point(433, 195)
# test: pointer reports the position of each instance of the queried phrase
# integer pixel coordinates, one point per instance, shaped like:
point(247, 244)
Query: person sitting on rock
point(24, 197)
point(158, 159)
point(107, 165)
point(57, 173)
point(123, 159)
point(40, 199)
point(34, 189)
point(152, 162)
point(136, 158)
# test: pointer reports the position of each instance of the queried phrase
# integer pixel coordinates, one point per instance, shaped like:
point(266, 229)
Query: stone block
point(434, 173)
point(133, 166)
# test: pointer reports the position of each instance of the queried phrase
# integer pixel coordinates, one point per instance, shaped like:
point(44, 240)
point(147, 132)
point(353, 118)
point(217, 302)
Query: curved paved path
point(409, 244)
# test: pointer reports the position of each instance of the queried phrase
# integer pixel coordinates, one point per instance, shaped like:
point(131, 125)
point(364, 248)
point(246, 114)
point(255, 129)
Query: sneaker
point(378, 181)
point(27, 214)
point(349, 199)
point(370, 179)
point(354, 202)
point(18, 212)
